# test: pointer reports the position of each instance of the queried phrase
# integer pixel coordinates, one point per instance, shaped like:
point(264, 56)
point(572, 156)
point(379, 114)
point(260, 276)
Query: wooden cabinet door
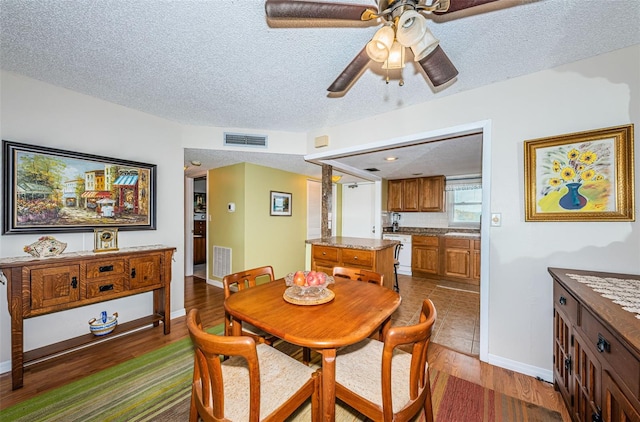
point(410, 195)
point(394, 195)
point(616, 406)
point(432, 194)
point(199, 250)
point(475, 261)
point(145, 271)
point(562, 353)
point(52, 287)
point(586, 381)
point(457, 263)
point(425, 259)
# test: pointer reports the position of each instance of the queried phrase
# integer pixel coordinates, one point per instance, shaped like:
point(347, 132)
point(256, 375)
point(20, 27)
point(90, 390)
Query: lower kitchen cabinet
point(449, 258)
point(425, 256)
point(199, 250)
point(596, 350)
point(324, 258)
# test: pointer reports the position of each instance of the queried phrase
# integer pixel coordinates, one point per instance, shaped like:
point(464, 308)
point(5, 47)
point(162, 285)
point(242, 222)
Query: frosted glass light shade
point(379, 47)
point(396, 57)
point(411, 28)
point(425, 46)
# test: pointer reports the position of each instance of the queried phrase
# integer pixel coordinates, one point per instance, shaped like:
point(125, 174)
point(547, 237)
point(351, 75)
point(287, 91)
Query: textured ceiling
point(221, 63)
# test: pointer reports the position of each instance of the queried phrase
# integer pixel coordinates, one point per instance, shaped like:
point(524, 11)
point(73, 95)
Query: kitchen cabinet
point(425, 194)
point(199, 242)
point(457, 258)
point(443, 257)
point(425, 256)
point(410, 195)
point(432, 194)
point(394, 195)
point(43, 286)
point(596, 349)
point(475, 261)
point(344, 252)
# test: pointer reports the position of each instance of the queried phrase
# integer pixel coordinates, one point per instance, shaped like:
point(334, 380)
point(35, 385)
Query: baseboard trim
point(523, 368)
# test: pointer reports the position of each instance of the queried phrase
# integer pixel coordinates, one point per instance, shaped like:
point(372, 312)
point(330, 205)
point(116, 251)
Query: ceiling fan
point(403, 26)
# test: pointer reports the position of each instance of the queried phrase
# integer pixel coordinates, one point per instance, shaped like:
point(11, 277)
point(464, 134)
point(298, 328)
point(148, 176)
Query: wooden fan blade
point(438, 67)
point(456, 5)
point(350, 73)
point(299, 9)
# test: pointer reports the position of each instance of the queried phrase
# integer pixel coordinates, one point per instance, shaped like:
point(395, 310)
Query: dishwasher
point(405, 251)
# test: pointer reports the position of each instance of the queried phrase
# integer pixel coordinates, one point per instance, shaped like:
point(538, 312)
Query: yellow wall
point(255, 237)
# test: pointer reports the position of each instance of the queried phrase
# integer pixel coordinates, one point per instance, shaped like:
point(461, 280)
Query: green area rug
point(157, 387)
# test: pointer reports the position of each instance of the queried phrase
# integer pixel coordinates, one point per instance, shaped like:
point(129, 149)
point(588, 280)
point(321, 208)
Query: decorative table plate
point(298, 295)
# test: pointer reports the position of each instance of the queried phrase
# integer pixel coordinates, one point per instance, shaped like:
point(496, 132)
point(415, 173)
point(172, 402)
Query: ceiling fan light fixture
point(396, 57)
point(380, 45)
point(425, 46)
point(411, 28)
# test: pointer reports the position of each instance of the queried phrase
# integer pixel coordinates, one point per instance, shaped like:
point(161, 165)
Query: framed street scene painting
point(49, 190)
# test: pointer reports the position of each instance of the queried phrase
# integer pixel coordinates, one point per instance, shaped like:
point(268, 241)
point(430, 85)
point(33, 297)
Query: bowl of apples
point(308, 287)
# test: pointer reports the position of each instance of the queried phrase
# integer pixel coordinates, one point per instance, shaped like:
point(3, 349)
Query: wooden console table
point(42, 286)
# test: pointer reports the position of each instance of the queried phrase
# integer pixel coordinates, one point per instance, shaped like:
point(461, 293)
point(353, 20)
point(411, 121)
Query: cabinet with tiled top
point(596, 355)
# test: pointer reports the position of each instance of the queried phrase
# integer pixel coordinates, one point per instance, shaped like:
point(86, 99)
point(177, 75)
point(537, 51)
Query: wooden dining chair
point(384, 382)
point(359, 274)
point(244, 280)
point(256, 383)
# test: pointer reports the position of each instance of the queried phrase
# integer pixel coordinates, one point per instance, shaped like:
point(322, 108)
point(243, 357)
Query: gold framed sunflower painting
point(584, 176)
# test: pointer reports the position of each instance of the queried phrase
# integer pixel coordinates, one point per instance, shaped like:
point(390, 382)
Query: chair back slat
point(359, 274)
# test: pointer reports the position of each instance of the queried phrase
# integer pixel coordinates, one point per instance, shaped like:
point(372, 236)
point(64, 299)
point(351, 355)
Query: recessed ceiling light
point(391, 158)
point(196, 163)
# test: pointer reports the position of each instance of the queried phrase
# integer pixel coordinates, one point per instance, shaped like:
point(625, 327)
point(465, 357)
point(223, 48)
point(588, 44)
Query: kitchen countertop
point(430, 231)
point(354, 243)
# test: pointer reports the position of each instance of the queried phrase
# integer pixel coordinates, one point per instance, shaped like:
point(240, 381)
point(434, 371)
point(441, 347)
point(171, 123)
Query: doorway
point(338, 159)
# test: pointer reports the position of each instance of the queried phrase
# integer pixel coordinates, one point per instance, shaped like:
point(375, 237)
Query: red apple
point(311, 278)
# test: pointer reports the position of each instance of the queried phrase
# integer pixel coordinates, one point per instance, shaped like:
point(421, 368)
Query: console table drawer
point(625, 365)
point(105, 287)
point(105, 268)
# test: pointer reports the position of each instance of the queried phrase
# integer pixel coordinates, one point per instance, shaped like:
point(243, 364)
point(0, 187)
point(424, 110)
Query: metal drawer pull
point(105, 268)
point(106, 287)
point(133, 273)
point(562, 300)
point(603, 345)
point(74, 282)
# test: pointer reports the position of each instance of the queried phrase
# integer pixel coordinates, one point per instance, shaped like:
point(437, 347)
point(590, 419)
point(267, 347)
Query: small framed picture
point(105, 239)
point(280, 204)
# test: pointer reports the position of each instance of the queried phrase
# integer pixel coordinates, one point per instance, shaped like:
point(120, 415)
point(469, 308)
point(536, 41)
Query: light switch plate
point(496, 219)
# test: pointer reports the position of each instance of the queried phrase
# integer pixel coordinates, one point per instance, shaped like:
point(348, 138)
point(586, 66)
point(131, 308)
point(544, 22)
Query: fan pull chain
point(400, 83)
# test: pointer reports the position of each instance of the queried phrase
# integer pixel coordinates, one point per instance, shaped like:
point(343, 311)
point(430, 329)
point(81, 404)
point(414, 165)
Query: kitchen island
point(371, 254)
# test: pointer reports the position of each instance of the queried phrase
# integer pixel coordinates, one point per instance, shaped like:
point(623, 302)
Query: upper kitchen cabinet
point(394, 195)
point(424, 194)
point(432, 194)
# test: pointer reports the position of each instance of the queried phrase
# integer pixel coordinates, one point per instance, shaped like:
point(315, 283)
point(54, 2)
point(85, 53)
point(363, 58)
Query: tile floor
point(458, 305)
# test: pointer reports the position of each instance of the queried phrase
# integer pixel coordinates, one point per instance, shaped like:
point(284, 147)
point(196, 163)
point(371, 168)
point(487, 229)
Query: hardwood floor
point(52, 373)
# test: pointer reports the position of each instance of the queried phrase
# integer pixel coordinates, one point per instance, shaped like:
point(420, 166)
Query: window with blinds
point(464, 201)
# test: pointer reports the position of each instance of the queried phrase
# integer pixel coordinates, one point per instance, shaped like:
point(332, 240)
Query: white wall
point(595, 93)
point(40, 114)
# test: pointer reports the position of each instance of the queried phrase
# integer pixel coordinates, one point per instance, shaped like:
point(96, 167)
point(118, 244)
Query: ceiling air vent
point(372, 169)
point(244, 140)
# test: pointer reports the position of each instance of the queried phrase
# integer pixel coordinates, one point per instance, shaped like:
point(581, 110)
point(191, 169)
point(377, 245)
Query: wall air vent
point(244, 140)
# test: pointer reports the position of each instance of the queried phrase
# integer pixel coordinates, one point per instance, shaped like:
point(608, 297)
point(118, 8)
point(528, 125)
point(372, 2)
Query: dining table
point(356, 310)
